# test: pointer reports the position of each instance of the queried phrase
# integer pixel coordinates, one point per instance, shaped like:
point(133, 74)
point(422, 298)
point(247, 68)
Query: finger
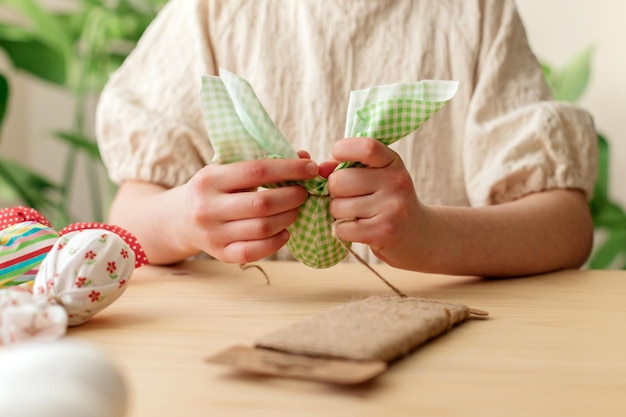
point(257, 228)
point(352, 182)
point(248, 205)
point(326, 168)
point(357, 230)
point(368, 151)
point(251, 174)
point(250, 251)
point(303, 154)
point(357, 207)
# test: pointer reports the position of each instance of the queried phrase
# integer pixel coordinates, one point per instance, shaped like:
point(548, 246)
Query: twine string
point(243, 267)
point(363, 261)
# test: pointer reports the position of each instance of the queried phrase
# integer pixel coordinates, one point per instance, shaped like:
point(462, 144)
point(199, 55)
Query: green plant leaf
point(571, 81)
point(37, 59)
point(85, 144)
point(605, 212)
point(606, 254)
point(10, 31)
point(29, 187)
point(601, 190)
point(44, 26)
point(4, 98)
point(77, 48)
point(609, 215)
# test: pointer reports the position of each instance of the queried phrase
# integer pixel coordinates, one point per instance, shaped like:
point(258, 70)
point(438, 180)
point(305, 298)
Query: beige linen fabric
point(498, 139)
point(374, 328)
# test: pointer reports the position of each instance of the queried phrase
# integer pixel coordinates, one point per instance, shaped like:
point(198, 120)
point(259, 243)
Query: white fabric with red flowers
point(24, 317)
point(80, 271)
point(85, 271)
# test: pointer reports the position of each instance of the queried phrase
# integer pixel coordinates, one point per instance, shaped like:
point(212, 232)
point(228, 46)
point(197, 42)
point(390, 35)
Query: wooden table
point(554, 345)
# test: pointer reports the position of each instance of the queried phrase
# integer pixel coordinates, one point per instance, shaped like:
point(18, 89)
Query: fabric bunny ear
point(130, 239)
point(13, 215)
point(239, 126)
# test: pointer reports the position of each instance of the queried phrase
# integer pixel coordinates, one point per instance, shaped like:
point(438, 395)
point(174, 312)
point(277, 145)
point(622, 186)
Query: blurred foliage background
point(73, 44)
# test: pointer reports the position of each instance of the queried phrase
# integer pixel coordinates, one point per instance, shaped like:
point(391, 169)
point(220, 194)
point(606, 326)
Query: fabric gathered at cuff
point(544, 146)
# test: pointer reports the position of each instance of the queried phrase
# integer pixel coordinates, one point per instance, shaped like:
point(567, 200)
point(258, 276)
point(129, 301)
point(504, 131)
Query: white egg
point(65, 378)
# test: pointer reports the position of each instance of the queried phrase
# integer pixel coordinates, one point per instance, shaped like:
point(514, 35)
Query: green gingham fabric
point(240, 129)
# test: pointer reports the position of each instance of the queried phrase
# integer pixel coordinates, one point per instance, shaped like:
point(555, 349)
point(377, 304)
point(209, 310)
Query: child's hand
point(231, 221)
point(380, 198)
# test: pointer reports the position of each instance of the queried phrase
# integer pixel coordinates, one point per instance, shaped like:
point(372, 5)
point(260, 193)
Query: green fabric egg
point(240, 129)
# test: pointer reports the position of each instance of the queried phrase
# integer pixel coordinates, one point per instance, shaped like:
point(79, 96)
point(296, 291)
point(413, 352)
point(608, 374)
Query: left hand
point(380, 197)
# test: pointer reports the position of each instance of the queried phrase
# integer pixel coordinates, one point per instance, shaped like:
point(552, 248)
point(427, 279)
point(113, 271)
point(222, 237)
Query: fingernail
point(311, 168)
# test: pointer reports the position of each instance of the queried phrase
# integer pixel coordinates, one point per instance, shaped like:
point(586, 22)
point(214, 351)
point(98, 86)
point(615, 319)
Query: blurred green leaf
point(44, 26)
point(607, 253)
point(609, 216)
point(89, 146)
point(29, 187)
point(601, 191)
point(4, 98)
point(570, 82)
point(77, 48)
point(37, 59)
point(13, 32)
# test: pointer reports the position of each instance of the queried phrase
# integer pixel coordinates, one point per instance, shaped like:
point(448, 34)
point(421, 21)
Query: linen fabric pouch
point(240, 129)
point(351, 343)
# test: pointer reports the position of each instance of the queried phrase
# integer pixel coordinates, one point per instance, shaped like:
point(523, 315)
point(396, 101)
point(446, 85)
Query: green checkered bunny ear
point(240, 129)
point(386, 113)
point(390, 112)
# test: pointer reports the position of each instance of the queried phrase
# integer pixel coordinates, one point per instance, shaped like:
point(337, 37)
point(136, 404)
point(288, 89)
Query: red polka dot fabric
point(13, 215)
point(130, 239)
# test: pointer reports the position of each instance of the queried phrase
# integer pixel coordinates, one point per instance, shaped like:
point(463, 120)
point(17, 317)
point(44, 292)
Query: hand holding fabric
point(240, 129)
point(379, 199)
point(224, 216)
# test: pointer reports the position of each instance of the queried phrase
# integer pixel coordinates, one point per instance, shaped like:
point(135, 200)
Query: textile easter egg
point(22, 317)
point(85, 272)
point(311, 235)
point(23, 247)
point(65, 378)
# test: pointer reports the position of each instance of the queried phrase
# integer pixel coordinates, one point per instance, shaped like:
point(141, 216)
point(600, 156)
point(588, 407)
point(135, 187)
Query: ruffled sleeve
point(517, 140)
point(149, 125)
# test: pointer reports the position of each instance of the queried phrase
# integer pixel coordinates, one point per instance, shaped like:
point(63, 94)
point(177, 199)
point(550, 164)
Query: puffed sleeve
point(517, 140)
point(148, 123)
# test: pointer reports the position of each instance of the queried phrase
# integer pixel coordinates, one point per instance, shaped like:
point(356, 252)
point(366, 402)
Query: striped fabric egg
point(23, 246)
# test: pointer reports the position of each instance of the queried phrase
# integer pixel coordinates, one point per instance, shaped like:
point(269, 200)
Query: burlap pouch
point(351, 343)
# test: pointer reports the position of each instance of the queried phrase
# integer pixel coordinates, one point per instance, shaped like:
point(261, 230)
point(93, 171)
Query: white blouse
point(499, 138)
